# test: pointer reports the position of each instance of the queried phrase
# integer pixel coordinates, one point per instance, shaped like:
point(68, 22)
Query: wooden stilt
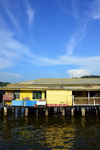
point(26, 111)
point(37, 112)
point(5, 111)
point(63, 111)
point(72, 111)
point(97, 110)
point(46, 112)
point(13, 109)
point(83, 111)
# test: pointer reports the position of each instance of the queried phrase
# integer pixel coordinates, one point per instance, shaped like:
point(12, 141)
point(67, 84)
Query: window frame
point(37, 95)
point(17, 94)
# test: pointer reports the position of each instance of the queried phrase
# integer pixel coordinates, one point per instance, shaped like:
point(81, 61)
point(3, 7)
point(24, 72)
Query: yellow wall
point(52, 96)
point(27, 93)
point(69, 97)
point(43, 95)
point(59, 97)
point(24, 94)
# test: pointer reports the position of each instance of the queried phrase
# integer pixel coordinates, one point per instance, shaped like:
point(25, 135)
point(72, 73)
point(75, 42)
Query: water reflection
point(49, 133)
point(60, 137)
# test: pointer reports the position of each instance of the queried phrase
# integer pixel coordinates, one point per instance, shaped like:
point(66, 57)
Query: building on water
point(53, 92)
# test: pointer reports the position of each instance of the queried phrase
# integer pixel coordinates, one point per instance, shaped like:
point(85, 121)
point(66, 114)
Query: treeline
point(3, 84)
point(91, 76)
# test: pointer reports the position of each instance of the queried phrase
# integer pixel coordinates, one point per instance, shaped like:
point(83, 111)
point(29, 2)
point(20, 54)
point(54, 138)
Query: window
point(17, 94)
point(37, 94)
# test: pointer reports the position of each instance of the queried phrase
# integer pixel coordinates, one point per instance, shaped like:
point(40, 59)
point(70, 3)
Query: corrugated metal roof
point(59, 81)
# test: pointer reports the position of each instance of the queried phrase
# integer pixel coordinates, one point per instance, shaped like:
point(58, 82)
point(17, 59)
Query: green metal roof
point(57, 83)
point(60, 81)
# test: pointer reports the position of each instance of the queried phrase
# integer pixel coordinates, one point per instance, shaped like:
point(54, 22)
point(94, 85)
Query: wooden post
point(19, 110)
point(72, 111)
point(16, 111)
point(46, 112)
point(22, 110)
point(97, 110)
point(13, 109)
point(83, 111)
point(63, 111)
point(36, 111)
point(26, 111)
point(5, 111)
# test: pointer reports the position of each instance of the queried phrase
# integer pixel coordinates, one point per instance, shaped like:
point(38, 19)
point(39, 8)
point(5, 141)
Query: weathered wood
point(63, 111)
point(83, 111)
point(46, 112)
point(5, 111)
point(37, 112)
point(72, 111)
point(26, 111)
point(13, 109)
point(97, 110)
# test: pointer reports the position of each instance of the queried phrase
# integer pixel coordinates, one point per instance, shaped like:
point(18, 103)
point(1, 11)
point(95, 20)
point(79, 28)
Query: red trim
point(57, 105)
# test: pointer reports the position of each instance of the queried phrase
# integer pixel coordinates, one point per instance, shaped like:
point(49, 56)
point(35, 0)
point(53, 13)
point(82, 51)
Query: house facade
point(53, 92)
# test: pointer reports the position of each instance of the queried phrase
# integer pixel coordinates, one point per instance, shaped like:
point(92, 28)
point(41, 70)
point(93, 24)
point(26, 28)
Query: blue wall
point(17, 103)
point(23, 103)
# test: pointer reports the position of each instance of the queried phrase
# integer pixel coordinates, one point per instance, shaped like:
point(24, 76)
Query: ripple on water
point(50, 133)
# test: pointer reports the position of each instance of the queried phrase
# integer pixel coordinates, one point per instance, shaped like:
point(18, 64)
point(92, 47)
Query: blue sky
point(49, 39)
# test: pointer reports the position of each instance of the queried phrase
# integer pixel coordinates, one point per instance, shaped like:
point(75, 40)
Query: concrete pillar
point(63, 111)
point(5, 111)
point(37, 112)
point(72, 111)
point(83, 111)
point(46, 112)
point(26, 111)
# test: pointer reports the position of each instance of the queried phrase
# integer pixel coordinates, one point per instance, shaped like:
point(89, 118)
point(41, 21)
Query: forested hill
point(91, 76)
point(3, 84)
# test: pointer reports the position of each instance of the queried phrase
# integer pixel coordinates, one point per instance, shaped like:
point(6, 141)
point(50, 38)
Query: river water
point(49, 133)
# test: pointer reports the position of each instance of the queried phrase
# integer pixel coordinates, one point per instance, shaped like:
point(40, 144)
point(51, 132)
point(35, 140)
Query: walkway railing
point(86, 101)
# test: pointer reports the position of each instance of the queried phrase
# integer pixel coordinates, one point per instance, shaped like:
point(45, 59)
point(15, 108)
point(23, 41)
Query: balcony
point(86, 101)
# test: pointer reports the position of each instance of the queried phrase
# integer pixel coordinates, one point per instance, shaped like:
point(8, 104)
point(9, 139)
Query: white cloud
point(4, 63)
point(76, 38)
point(78, 72)
point(11, 50)
point(15, 22)
point(8, 7)
point(9, 77)
point(95, 9)
point(30, 12)
point(72, 9)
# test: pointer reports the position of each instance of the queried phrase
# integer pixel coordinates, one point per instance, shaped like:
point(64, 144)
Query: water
point(49, 133)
